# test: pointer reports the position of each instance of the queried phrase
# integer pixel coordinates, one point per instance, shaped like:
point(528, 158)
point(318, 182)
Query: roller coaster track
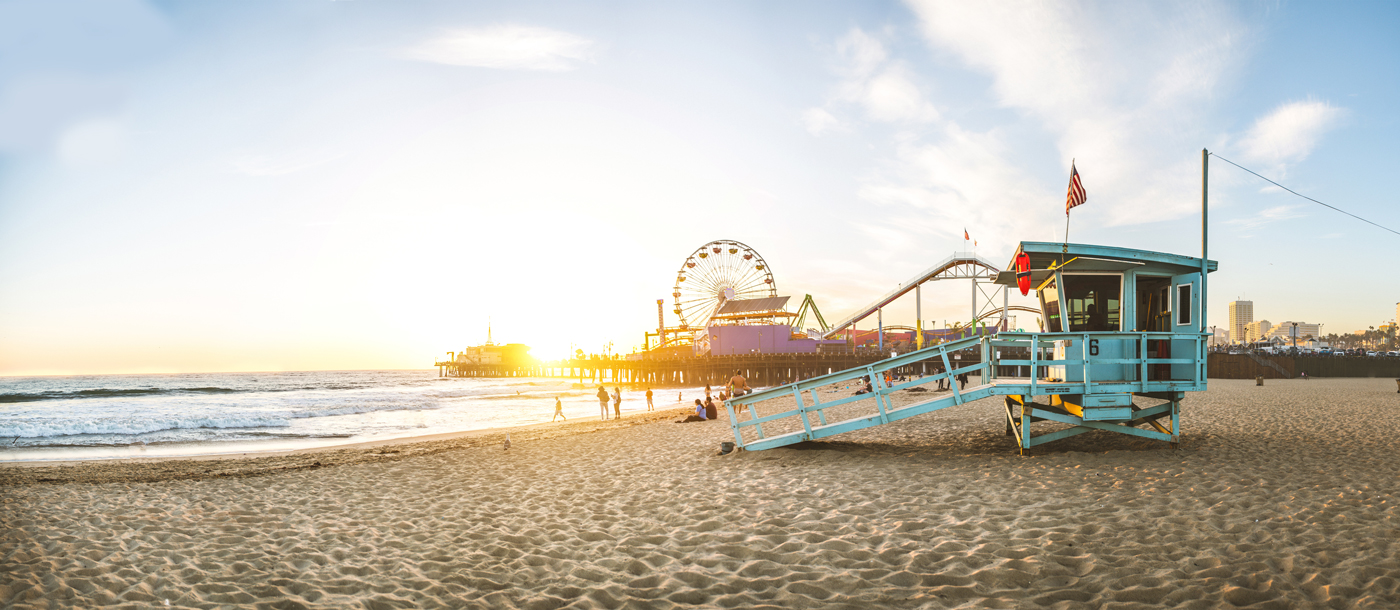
point(959, 266)
point(1010, 308)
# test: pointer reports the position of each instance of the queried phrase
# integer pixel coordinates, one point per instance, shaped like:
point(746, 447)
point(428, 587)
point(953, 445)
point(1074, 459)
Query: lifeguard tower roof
point(1088, 257)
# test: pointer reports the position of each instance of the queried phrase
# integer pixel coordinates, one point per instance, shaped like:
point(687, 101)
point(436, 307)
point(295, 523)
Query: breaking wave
point(149, 422)
point(110, 393)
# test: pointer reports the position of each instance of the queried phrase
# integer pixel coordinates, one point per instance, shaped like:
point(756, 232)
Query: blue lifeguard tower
point(1123, 340)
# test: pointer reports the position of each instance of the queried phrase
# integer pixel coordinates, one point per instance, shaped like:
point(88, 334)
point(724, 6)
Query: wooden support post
point(1176, 423)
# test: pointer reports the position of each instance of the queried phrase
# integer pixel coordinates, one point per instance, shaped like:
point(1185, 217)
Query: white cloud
point(891, 96)
point(1042, 59)
point(884, 89)
point(507, 47)
point(36, 111)
point(1269, 216)
point(962, 179)
point(92, 142)
point(67, 63)
point(1125, 101)
point(861, 54)
point(282, 163)
point(818, 121)
point(1290, 132)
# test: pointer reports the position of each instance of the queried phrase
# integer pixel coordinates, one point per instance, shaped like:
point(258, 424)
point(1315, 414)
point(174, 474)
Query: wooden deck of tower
point(1125, 340)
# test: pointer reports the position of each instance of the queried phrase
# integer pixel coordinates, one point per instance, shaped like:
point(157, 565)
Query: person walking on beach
point(558, 409)
point(649, 405)
point(603, 402)
point(738, 386)
point(738, 409)
point(617, 402)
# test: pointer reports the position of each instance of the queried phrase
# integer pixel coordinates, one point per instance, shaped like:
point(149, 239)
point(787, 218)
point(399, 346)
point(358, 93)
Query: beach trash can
point(1259, 380)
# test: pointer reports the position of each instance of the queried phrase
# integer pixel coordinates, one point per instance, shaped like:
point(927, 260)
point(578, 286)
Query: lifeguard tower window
point(1183, 304)
point(1050, 304)
point(1154, 304)
point(1093, 302)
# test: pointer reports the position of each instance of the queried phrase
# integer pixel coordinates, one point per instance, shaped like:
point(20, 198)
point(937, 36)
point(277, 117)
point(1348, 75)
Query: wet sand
point(1280, 496)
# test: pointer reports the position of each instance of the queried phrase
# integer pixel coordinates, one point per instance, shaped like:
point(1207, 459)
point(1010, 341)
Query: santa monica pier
point(726, 315)
point(1120, 340)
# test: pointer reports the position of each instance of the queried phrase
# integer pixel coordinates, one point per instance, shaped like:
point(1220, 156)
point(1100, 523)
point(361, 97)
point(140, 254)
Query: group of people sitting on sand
point(707, 410)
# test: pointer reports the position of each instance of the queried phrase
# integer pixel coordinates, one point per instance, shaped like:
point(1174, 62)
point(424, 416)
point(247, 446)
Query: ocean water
point(122, 416)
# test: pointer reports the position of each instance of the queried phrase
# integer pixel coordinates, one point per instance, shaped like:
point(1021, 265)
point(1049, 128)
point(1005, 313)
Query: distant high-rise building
point(1241, 314)
point(1256, 331)
point(1285, 329)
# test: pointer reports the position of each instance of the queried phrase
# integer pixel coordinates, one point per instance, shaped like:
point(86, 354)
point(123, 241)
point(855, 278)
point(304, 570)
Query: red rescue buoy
point(1023, 273)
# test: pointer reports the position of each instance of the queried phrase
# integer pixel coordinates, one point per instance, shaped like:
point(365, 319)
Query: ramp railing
point(807, 406)
point(908, 371)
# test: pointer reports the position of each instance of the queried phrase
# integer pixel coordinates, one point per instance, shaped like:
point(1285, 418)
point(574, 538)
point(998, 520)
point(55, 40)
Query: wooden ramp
point(1085, 405)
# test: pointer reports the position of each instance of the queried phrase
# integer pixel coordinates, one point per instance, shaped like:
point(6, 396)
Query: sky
point(313, 185)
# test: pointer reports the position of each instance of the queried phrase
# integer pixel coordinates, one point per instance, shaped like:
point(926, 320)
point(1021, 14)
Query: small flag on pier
point(1076, 196)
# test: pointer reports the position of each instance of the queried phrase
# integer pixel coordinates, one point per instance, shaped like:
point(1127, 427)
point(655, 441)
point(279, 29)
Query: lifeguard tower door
point(1186, 312)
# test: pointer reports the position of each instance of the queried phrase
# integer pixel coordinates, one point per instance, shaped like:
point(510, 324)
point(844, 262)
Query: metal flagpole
point(1065, 248)
point(1205, 227)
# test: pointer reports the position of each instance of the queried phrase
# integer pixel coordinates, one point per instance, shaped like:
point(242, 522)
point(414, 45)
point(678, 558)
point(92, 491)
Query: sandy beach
point(1280, 496)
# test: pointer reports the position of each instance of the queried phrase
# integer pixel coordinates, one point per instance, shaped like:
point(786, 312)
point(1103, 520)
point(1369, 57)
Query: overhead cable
point(1300, 194)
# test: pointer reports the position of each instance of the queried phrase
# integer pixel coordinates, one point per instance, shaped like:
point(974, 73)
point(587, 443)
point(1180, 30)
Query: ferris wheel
point(722, 270)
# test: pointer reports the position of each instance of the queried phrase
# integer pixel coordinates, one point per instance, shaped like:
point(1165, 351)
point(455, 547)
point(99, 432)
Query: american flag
point(1076, 195)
